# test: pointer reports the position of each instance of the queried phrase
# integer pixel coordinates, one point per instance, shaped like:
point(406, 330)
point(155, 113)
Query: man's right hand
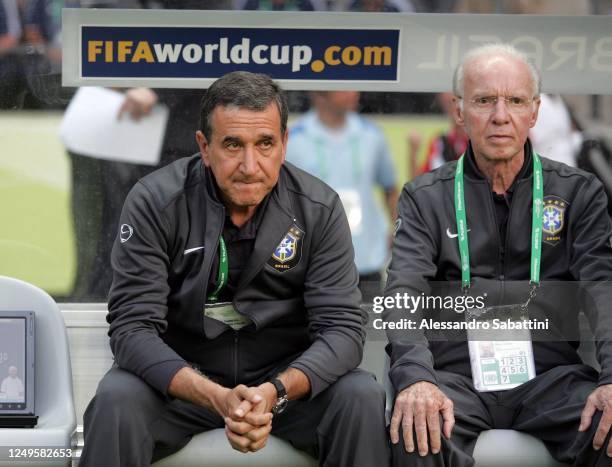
point(418, 408)
point(245, 411)
point(138, 103)
point(253, 432)
point(248, 421)
point(235, 403)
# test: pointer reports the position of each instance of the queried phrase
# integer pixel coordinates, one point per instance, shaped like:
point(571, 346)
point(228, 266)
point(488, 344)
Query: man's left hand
point(599, 399)
point(245, 437)
point(249, 434)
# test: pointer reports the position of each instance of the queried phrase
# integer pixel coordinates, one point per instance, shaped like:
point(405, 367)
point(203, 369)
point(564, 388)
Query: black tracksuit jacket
point(305, 311)
point(426, 256)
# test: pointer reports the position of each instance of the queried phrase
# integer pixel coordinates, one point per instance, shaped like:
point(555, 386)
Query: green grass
point(36, 239)
point(36, 242)
point(36, 235)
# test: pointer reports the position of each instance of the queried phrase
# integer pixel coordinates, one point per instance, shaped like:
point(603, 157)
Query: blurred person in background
point(555, 136)
point(279, 5)
point(42, 56)
point(536, 7)
point(99, 187)
point(350, 153)
point(447, 146)
point(42, 24)
point(10, 37)
point(30, 54)
point(382, 6)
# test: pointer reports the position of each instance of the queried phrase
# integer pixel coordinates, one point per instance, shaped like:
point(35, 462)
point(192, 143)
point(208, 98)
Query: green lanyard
point(536, 222)
point(223, 271)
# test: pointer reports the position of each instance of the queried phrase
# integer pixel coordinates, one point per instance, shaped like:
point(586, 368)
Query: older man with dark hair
point(501, 222)
point(234, 302)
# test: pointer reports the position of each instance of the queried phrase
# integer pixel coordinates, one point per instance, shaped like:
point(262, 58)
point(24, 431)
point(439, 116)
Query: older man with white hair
point(500, 224)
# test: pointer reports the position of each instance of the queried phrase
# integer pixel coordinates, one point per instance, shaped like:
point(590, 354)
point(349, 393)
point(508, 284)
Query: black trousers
point(128, 423)
point(547, 407)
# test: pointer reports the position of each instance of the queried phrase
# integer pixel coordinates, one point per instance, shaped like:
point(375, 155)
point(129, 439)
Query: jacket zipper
point(236, 358)
point(505, 255)
point(513, 203)
point(500, 263)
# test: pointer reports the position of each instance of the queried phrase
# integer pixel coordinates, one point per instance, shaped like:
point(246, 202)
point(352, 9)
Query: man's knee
point(359, 389)
point(402, 458)
point(124, 395)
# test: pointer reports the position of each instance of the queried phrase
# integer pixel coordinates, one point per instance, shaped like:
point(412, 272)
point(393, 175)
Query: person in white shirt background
point(554, 136)
point(12, 386)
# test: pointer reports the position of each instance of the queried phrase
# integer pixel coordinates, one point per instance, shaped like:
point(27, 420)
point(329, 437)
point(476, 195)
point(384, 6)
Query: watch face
point(280, 406)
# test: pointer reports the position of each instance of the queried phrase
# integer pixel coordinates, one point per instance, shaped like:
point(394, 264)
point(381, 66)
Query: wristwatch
point(281, 397)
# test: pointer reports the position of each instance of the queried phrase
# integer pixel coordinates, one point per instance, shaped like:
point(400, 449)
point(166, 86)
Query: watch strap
point(281, 396)
point(280, 388)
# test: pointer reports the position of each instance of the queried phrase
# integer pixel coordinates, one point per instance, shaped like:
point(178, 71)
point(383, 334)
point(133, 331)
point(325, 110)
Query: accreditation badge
point(351, 200)
point(499, 364)
point(227, 314)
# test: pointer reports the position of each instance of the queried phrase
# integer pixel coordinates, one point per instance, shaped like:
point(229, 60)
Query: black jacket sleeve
point(591, 264)
point(331, 297)
point(138, 296)
point(412, 265)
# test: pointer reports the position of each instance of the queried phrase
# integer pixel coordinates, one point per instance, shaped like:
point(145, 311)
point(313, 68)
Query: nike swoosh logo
point(452, 235)
point(191, 250)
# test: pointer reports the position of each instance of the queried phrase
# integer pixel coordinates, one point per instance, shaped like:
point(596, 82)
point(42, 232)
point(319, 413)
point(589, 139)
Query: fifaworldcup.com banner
point(324, 50)
point(192, 52)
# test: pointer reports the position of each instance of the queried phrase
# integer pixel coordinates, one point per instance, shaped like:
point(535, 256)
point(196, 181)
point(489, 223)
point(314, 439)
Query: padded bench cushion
point(495, 448)
point(213, 450)
point(508, 448)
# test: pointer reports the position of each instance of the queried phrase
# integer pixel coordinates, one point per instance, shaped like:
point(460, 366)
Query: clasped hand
point(247, 412)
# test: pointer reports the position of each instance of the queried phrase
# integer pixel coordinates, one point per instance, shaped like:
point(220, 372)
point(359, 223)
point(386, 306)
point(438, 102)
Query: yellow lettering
point(351, 55)
point(94, 48)
point(124, 48)
point(377, 55)
point(143, 52)
point(329, 55)
point(108, 51)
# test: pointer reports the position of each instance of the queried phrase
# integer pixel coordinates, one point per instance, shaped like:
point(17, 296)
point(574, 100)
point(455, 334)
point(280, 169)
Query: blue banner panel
point(199, 52)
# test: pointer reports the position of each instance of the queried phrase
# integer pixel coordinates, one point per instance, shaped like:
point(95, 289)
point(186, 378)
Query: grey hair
point(242, 89)
point(494, 50)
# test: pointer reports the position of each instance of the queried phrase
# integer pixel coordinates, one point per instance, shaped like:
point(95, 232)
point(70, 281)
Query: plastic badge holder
point(501, 352)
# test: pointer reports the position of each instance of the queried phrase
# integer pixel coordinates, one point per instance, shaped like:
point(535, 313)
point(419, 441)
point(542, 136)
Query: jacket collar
point(472, 171)
point(276, 219)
